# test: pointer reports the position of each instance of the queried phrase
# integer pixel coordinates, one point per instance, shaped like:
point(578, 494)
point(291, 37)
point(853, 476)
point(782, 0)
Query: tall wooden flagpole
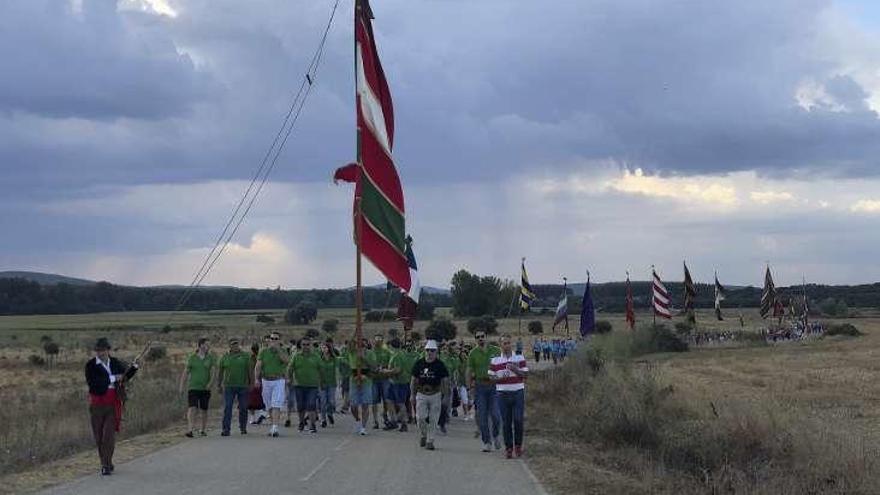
point(359, 290)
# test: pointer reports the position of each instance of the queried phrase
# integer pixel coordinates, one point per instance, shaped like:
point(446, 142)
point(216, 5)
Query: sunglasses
point(481, 336)
point(274, 338)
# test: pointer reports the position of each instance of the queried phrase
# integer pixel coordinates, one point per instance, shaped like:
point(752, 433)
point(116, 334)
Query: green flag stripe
point(383, 215)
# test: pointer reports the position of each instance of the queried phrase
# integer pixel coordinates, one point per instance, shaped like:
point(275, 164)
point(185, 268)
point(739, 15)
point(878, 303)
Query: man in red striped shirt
point(509, 371)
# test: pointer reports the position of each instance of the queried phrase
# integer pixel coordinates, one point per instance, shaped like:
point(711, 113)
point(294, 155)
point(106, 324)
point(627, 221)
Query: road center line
point(342, 445)
point(317, 468)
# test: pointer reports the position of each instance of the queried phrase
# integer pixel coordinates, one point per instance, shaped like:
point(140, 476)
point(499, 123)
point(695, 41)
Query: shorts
point(291, 398)
point(401, 392)
point(198, 398)
point(380, 391)
point(360, 395)
point(306, 398)
point(463, 393)
point(343, 385)
point(275, 393)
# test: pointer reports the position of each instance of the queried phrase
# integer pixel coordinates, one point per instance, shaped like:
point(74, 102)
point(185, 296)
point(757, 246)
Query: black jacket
point(99, 380)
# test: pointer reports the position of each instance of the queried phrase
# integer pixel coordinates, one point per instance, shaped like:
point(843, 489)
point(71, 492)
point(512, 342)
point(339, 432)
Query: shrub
point(166, 329)
point(603, 326)
point(156, 353)
point(683, 328)
point(656, 338)
point(536, 327)
point(415, 336)
point(441, 328)
point(330, 326)
point(485, 323)
point(35, 360)
point(844, 329)
point(264, 318)
point(51, 348)
point(303, 313)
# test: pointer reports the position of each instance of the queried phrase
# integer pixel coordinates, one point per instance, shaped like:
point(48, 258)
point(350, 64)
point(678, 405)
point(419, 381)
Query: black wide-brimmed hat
point(102, 344)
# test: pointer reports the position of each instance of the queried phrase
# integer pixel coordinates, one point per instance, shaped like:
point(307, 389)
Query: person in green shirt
point(398, 371)
point(485, 396)
point(234, 379)
point(363, 365)
point(343, 372)
point(381, 383)
point(304, 373)
point(327, 392)
point(196, 380)
point(269, 375)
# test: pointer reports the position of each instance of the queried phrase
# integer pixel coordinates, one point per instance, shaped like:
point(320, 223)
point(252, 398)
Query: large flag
point(660, 297)
point(630, 310)
point(719, 296)
point(690, 293)
point(768, 296)
point(562, 307)
point(382, 222)
point(526, 295)
point(588, 315)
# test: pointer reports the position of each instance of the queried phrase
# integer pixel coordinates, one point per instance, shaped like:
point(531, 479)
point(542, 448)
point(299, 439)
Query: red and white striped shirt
point(508, 381)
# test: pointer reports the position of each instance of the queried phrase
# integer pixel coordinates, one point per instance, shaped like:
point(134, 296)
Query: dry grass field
point(821, 395)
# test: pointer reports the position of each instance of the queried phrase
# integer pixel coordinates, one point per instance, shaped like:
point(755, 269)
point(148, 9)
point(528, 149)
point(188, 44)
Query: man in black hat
point(106, 376)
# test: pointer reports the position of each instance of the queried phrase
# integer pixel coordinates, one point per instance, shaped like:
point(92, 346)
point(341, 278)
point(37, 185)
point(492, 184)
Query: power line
point(263, 171)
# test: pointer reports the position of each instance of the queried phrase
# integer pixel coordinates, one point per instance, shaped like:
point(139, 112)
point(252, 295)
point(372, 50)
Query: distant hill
point(426, 288)
point(46, 278)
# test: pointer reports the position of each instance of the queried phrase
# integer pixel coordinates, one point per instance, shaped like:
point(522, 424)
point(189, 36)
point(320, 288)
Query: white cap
point(431, 344)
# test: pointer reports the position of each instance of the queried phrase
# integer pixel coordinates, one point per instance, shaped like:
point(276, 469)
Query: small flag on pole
point(660, 297)
point(768, 296)
point(588, 315)
point(409, 300)
point(719, 296)
point(690, 293)
point(526, 295)
point(630, 311)
point(562, 307)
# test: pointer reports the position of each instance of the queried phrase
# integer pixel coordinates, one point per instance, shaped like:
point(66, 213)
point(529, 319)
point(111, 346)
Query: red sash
point(110, 398)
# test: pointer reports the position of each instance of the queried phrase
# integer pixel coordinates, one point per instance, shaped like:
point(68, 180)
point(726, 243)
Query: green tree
point(536, 327)
point(485, 323)
point(303, 313)
point(473, 295)
point(330, 326)
point(441, 328)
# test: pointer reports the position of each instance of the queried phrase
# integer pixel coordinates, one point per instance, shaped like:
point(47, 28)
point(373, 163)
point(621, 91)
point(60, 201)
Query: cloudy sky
point(600, 134)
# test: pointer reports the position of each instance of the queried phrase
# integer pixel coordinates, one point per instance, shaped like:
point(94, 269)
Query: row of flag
point(771, 303)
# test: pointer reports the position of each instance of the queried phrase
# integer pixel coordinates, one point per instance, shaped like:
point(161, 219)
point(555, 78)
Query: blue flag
point(588, 316)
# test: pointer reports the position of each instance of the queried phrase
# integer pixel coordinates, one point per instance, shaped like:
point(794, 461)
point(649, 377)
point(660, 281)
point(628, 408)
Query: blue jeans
point(327, 401)
point(306, 398)
point(512, 405)
point(486, 402)
point(229, 395)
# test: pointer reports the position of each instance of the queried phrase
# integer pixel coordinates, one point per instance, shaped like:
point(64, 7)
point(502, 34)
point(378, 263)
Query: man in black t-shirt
point(430, 380)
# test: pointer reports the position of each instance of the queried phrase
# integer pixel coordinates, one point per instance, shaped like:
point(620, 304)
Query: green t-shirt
point(272, 364)
point(453, 364)
point(367, 365)
point(479, 360)
point(235, 369)
point(383, 356)
point(327, 370)
point(200, 370)
point(404, 362)
point(304, 369)
point(342, 366)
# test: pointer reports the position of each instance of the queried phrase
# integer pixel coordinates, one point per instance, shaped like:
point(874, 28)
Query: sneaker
point(323, 423)
point(188, 434)
point(112, 468)
point(202, 433)
point(443, 430)
point(486, 448)
point(477, 434)
point(508, 454)
point(330, 418)
point(274, 434)
point(423, 441)
point(287, 424)
point(497, 443)
point(260, 420)
point(362, 431)
point(244, 431)
point(376, 425)
point(455, 413)
point(389, 427)
point(313, 430)
point(224, 433)
point(430, 446)
point(403, 428)
point(518, 451)
point(301, 427)
point(106, 471)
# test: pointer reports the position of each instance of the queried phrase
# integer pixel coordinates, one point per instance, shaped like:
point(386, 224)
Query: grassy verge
point(622, 422)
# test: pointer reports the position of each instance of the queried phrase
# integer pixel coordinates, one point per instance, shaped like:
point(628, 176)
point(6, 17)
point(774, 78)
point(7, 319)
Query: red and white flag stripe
point(661, 298)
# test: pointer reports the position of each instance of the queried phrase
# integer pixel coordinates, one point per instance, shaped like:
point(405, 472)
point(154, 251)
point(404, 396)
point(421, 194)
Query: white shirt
point(106, 366)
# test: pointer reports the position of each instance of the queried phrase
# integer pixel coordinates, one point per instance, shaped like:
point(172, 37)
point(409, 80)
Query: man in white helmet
point(430, 381)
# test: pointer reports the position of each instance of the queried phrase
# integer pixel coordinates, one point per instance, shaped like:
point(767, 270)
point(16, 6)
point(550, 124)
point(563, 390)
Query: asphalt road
point(333, 461)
